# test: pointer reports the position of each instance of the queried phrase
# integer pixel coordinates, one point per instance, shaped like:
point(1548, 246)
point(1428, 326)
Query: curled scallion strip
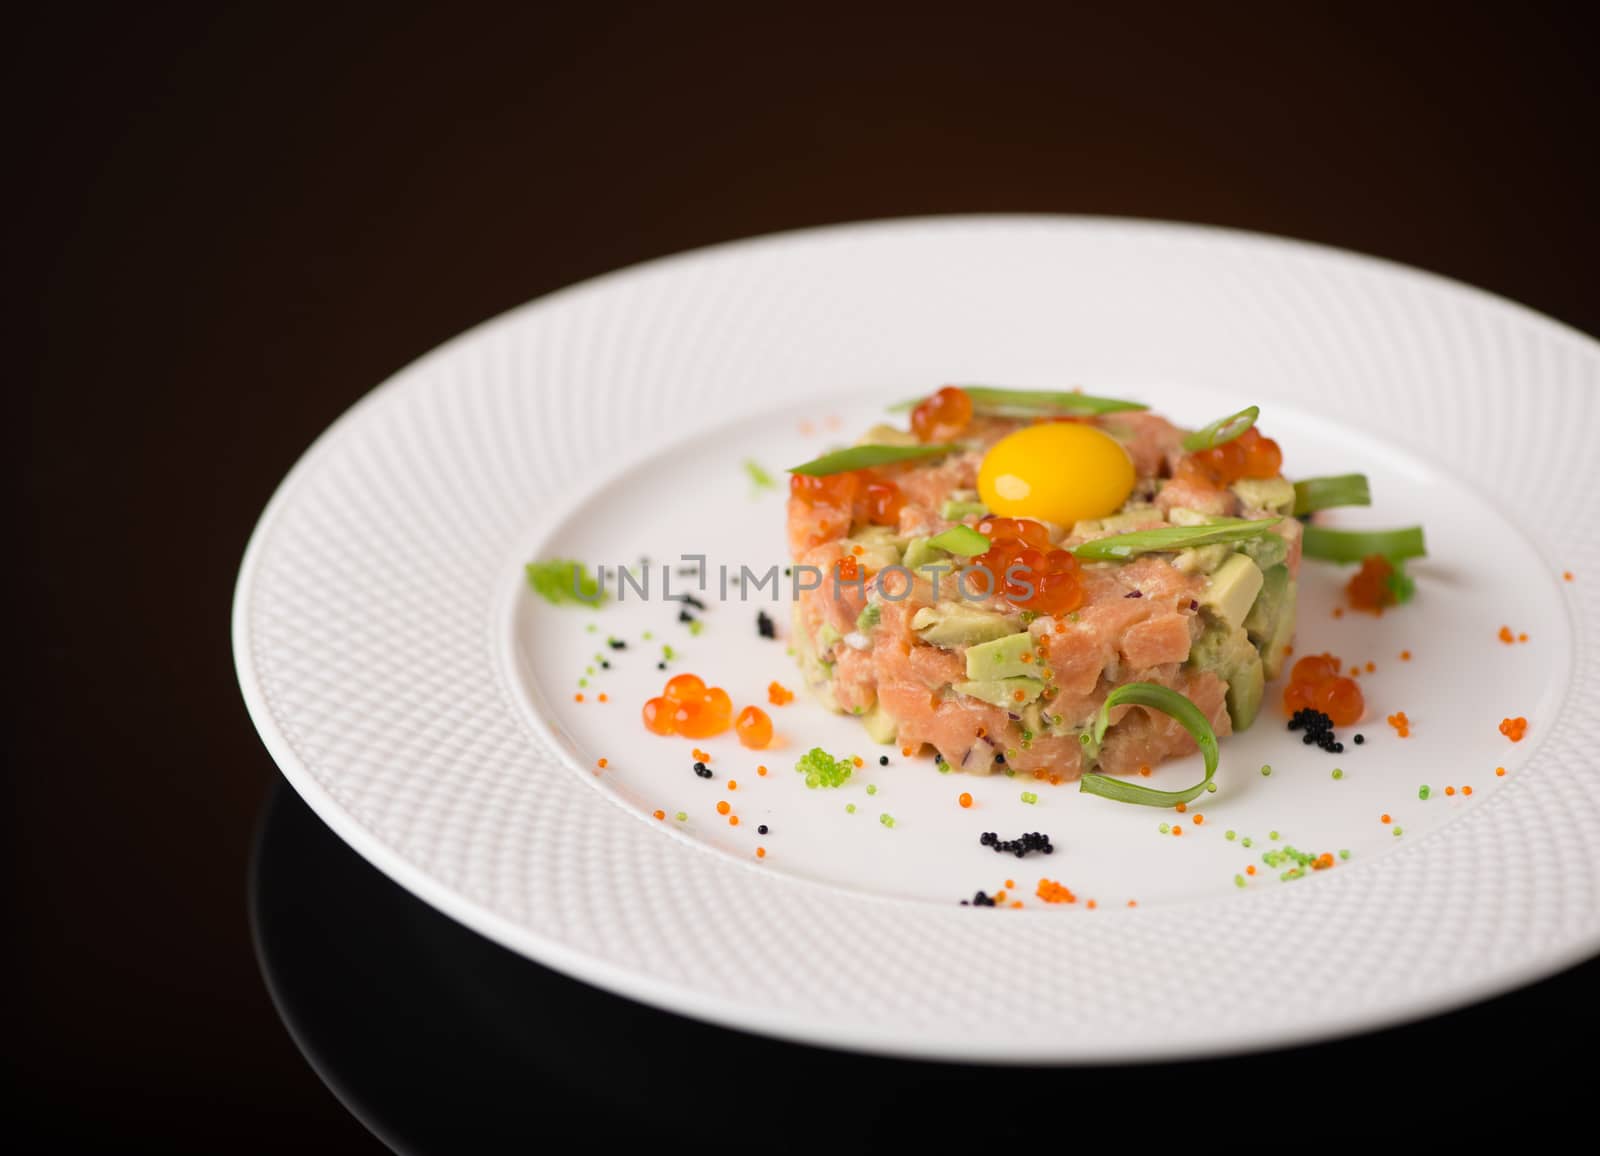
point(1168, 702)
point(1121, 547)
point(1223, 430)
point(1354, 545)
point(864, 457)
point(1022, 402)
point(1313, 494)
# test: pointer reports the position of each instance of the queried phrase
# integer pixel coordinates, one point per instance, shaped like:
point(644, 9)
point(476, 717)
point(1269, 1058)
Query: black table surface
point(235, 220)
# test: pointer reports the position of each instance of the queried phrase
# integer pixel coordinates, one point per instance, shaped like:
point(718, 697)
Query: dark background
point(233, 223)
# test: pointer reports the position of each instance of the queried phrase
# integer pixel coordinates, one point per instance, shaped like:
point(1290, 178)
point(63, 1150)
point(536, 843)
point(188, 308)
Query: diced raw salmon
point(1190, 495)
point(1137, 623)
point(1158, 639)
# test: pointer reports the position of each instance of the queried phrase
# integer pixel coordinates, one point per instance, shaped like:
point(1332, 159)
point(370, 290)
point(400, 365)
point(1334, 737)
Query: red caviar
point(688, 707)
point(965, 799)
point(754, 727)
point(1514, 728)
point(778, 694)
point(723, 808)
point(685, 688)
point(1315, 683)
point(1371, 588)
point(1247, 456)
point(942, 416)
point(660, 814)
point(1026, 569)
point(1052, 892)
point(1400, 723)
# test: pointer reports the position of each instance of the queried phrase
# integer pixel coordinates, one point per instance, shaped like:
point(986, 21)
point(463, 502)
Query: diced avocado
point(1183, 516)
point(1033, 720)
point(827, 636)
point(887, 435)
point(957, 624)
point(1263, 616)
point(1270, 622)
point(1003, 657)
point(1202, 559)
point(1267, 550)
point(880, 548)
point(1225, 650)
point(1140, 518)
point(954, 511)
point(1003, 692)
point(919, 554)
point(815, 672)
point(1244, 693)
point(1273, 494)
point(881, 727)
point(962, 541)
point(1233, 589)
point(869, 616)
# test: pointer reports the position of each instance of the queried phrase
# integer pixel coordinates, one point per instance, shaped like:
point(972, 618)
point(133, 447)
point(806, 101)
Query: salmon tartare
point(985, 579)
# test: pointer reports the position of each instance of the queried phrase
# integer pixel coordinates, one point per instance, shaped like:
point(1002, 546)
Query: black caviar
point(764, 625)
point(978, 900)
point(883, 760)
point(617, 643)
point(761, 830)
point(1318, 728)
point(1360, 739)
point(1020, 846)
point(702, 770)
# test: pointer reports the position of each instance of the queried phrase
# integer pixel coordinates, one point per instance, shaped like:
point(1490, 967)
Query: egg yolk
point(1061, 472)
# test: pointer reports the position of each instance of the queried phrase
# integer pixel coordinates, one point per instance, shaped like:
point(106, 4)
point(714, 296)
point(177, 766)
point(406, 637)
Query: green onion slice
point(863, 457)
point(1022, 402)
point(1121, 547)
point(1313, 494)
point(1354, 545)
point(963, 540)
point(1223, 430)
point(1168, 702)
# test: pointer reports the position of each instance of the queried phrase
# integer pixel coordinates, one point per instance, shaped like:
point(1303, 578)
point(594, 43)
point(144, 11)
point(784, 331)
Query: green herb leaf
point(1121, 547)
point(1354, 545)
point(1223, 430)
point(1401, 585)
point(561, 581)
point(758, 474)
point(1313, 494)
point(864, 457)
point(1023, 402)
point(1168, 702)
point(963, 540)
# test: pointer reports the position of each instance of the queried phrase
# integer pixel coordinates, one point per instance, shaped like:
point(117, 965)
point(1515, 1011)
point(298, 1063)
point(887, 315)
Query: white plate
point(423, 701)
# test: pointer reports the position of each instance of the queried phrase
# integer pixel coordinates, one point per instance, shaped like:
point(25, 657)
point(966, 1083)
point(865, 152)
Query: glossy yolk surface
point(1060, 472)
